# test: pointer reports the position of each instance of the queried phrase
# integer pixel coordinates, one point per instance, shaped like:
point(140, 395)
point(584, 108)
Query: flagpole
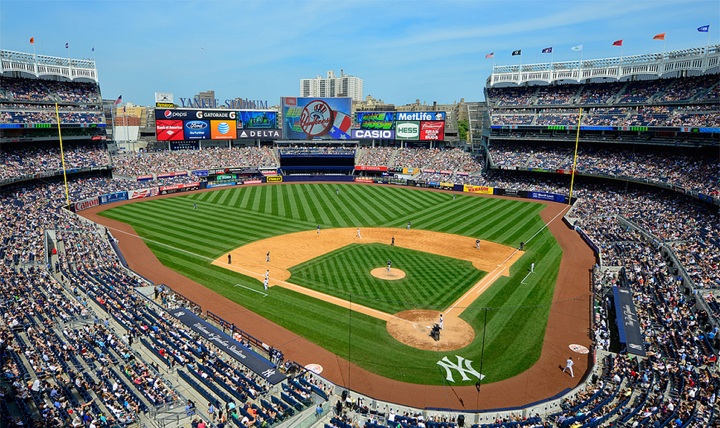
point(62, 156)
point(34, 57)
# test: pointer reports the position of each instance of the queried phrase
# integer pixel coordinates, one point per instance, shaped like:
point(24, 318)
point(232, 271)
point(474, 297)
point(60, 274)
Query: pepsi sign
point(373, 134)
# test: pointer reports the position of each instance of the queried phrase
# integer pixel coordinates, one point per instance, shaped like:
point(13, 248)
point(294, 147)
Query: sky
point(404, 50)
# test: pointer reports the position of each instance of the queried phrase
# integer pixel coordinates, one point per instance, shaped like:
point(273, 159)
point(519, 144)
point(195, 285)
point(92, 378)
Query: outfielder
point(569, 366)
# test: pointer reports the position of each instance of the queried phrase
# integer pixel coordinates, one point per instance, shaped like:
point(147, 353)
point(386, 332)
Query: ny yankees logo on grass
point(449, 366)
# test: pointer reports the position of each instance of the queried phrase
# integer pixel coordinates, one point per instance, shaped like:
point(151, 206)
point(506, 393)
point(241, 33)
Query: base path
point(568, 323)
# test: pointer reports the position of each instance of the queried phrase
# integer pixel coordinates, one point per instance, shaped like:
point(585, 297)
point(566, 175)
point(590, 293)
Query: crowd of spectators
point(697, 172)
point(132, 165)
point(17, 161)
point(32, 101)
point(695, 89)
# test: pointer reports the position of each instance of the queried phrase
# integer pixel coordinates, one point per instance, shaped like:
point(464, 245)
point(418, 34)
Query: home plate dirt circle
point(383, 273)
point(413, 329)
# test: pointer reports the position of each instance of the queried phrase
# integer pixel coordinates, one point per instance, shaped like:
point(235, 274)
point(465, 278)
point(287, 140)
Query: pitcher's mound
point(413, 329)
point(383, 273)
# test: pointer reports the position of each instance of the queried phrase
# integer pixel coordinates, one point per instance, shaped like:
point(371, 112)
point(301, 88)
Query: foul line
point(526, 276)
point(253, 290)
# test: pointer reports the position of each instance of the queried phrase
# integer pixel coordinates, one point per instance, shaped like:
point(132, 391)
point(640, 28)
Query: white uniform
point(569, 366)
point(440, 322)
point(265, 283)
point(358, 233)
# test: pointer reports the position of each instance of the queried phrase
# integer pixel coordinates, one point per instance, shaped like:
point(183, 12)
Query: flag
point(490, 55)
point(547, 50)
point(617, 43)
point(704, 28)
point(577, 48)
point(32, 40)
point(118, 101)
point(124, 109)
point(660, 36)
point(67, 45)
point(517, 52)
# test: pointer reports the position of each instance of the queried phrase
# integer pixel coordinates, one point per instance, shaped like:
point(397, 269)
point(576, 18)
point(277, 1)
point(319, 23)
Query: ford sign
point(196, 124)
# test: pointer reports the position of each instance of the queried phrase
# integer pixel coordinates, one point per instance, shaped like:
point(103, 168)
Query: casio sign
point(408, 130)
point(384, 134)
point(196, 124)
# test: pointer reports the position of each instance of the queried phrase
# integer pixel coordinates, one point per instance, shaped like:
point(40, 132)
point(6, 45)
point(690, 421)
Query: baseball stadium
point(546, 257)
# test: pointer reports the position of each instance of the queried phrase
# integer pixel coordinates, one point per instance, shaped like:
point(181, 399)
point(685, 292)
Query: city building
point(333, 86)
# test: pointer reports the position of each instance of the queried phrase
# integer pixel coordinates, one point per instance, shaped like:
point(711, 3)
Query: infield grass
point(187, 241)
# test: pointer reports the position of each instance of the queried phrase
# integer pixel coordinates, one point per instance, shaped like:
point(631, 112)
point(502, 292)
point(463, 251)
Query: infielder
point(358, 234)
point(392, 241)
point(267, 274)
point(229, 258)
point(477, 244)
point(318, 229)
point(408, 226)
point(267, 257)
point(569, 366)
point(265, 283)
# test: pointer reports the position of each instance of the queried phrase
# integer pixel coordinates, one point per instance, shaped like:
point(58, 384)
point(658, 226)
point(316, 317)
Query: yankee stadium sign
point(237, 103)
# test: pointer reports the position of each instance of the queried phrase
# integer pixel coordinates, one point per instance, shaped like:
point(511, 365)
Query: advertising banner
point(407, 130)
point(200, 173)
point(274, 179)
point(372, 134)
point(483, 190)
point(113, 197)
point(176, 188)
point(375, 120)
point(172, 174)
point(223, 130)
point(144, 177)
point(370, 168)
point(316, 118)
point(253, 181)
point(257, 119)
point(197, 130)
point(432, 131)
point(143, 193)
point(420, 115)
point(411, 171)
point(169, 130)
point(275, 134)
point(364, 180)
point(86, 203)
point(249, 358)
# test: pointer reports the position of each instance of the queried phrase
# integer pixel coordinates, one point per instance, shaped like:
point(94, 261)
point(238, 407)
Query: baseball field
point(332, 287)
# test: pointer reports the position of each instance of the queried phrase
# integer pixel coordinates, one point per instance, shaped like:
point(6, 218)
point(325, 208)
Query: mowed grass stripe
point(340, 330)
point(344, 214)
point(323, 207)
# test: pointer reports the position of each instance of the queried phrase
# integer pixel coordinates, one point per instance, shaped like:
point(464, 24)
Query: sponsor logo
point(408, 130)
point(259, 133)
point(223, 128)
point(86, 203)
point(253, 181)
point(168, 114)
point(373, 133)
point(432, 130)
point(421, 115)
point(196, 124)
point(164, 105)
point(316, 118)
point(276, 179)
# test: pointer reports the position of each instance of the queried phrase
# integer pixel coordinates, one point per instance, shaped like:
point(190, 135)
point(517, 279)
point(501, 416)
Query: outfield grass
point(431, 281)
point(187, 240)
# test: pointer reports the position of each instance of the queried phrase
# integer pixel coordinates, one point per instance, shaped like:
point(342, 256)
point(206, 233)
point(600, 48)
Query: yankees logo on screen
point(316, 118)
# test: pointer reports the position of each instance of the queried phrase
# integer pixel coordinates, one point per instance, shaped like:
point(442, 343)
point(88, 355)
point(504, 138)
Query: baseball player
point(267, 274)
point(229, 258)
point(337, 191)
point(318, 229)
point(267, 257)
point(358, 234)
point(265, 283)
point(440, 322)
point(389, 265)
point(532, 267)
point(408, 226)
point(194, 206)
point(477, 244)
point(569, 366)
point(392, 241)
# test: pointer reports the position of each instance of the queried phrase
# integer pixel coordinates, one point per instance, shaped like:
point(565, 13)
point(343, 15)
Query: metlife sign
point(373, 134)
point(259, 133)
point(419, 115)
